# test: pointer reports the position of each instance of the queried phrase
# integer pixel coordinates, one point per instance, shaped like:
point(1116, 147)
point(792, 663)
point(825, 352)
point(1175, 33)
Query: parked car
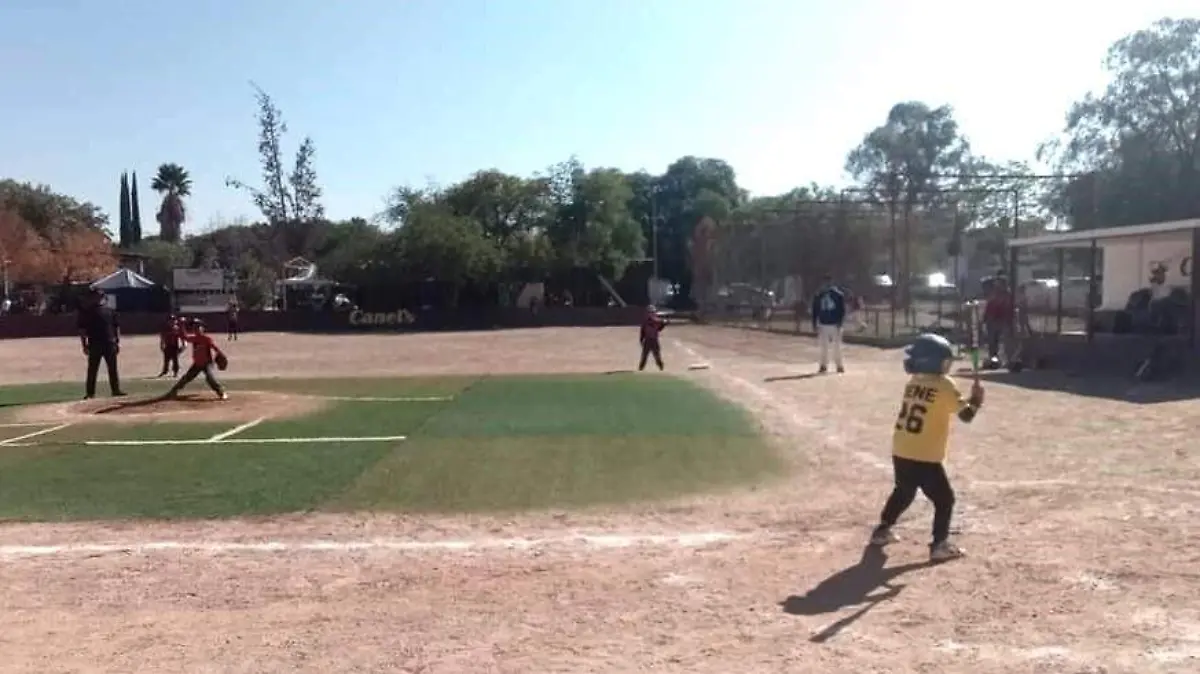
point(1041, 295)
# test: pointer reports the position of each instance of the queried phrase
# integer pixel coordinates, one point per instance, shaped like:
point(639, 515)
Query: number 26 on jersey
point(912, 417)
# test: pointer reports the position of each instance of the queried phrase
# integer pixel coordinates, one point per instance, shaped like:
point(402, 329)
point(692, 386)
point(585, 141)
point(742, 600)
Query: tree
point(595, 228)
point(435, 244)
point(135, 212)
point(126, 227)
point(173, 183)
point(1138, 142)
point(288, 199)
point(162, 257)
point(898, 162)
point(690, 189)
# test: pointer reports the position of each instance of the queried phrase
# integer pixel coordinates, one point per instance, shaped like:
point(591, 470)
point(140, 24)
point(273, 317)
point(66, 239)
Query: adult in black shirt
point(100, 335)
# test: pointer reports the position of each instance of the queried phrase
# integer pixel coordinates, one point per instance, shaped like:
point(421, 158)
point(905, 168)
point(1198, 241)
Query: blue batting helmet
point(927, 354)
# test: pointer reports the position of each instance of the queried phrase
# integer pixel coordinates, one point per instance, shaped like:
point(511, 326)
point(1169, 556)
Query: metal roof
point(1083, 239)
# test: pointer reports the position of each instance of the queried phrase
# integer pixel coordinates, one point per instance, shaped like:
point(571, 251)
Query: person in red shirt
point(652, 325)
point(204, 354)
point(997, 319)
point(170, 341)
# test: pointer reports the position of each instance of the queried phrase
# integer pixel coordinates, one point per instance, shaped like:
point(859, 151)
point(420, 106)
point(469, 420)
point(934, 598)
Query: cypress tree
point(126, 233)
point(135, 213)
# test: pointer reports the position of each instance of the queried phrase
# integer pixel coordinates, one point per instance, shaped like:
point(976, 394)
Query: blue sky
point(410, 91)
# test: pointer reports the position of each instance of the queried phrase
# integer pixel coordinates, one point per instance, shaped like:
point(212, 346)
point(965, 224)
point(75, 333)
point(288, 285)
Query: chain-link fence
point(901, 271)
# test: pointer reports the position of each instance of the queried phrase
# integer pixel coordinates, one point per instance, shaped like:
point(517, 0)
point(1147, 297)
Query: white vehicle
point(1041, 295)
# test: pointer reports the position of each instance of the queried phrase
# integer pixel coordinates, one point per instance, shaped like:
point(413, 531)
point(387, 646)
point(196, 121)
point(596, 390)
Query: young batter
point(920, 439)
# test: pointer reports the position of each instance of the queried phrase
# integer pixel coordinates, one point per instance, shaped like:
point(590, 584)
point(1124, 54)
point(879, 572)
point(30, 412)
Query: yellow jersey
point(922, 431)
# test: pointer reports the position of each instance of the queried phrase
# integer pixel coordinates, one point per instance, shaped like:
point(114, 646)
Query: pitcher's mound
point(187, 407)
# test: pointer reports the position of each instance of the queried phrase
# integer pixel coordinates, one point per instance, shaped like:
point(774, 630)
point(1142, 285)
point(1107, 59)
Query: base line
point(241, 441)
point(604, 541)
point(236, 429)
point(35, 434)
point(372, 399)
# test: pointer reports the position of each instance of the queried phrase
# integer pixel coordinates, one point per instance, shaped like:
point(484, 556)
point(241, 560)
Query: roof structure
point(1083, 239)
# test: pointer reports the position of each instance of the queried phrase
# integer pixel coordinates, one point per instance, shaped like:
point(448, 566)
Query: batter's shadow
point(795, 377)
point(848, 587)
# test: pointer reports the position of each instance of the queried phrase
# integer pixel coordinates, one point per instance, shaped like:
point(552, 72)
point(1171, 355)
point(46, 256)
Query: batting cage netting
point(901, 270)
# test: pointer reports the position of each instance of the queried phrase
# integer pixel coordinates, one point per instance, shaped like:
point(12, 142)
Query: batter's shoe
point(945, 551)
point(883, 535)
point(822, 370)
point(223, 396)
point(841, 370)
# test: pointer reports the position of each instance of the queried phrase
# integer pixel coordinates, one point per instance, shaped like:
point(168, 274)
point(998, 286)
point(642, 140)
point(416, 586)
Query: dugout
point(1141, 296)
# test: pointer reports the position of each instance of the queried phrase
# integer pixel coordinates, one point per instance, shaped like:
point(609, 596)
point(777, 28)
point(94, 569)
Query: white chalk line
point(594, 541)
point(27, 425)
point(236, 429)
point(34, 434)
point(374, 399)
point(243, 441)
point(796, 420)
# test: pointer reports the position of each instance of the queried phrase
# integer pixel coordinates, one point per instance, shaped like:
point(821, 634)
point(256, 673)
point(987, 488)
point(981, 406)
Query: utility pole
point(654, 231)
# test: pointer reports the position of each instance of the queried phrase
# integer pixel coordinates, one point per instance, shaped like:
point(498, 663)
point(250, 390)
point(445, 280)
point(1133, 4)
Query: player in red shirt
point(170, 340)
point(204, 355)
point(652, 325)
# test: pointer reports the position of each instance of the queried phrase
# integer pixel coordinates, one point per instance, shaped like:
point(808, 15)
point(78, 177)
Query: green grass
point(501, 444)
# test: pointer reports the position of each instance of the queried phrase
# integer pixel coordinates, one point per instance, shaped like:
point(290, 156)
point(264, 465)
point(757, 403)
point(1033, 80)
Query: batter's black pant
point(650, 346)
point(108, 354)
point(194, 371)
point(931, 479)
point(170, 362)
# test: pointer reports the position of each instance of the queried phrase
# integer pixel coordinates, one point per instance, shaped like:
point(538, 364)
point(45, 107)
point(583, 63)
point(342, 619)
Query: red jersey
point(652, 326)
point(203, 348)
point(998, 307)
point(170, 335)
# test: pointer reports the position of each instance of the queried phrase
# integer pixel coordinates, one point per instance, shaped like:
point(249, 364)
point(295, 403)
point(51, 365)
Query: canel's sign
point(369, 319)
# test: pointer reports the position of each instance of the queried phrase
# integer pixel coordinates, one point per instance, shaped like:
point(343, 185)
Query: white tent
point(123, 279)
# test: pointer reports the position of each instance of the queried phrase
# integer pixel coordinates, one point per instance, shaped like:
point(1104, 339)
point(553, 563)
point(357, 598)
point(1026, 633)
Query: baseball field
point(522, 501)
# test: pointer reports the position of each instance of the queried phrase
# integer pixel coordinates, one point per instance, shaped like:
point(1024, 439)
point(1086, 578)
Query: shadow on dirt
point(795, 377)
point(132, 406)
point(1112, 387)
point(849, 587)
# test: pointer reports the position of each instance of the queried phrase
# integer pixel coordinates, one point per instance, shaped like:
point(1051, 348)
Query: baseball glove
point(222, 361)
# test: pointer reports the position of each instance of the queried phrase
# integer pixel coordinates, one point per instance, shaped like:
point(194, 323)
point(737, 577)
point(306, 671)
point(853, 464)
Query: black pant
point(170, 361)
point(233, 328)
point(195, 371)
point(931, 479)
point(108, 354)
point(651, 346)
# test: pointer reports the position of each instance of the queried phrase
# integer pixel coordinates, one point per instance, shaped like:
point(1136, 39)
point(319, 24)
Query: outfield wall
point(23, 326)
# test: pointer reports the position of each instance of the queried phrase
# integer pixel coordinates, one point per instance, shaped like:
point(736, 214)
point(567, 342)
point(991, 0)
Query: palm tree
point(173, 182)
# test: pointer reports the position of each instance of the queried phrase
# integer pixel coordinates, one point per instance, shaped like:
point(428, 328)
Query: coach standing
point(100, 335)
point(828, 315)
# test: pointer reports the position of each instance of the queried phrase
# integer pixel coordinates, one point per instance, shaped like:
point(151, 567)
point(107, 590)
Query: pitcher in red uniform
point(204, 355)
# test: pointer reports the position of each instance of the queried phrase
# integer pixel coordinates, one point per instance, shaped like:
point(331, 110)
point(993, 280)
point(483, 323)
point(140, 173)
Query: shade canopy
point(123, 279)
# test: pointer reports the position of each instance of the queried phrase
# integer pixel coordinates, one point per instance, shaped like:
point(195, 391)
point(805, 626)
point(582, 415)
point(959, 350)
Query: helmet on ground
point(927, 354)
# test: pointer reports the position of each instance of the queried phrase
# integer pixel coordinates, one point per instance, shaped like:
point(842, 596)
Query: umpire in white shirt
point(828, 315)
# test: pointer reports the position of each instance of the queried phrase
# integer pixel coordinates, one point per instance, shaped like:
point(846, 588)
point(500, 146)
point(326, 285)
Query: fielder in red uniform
point(170, 340)
point(652, 326)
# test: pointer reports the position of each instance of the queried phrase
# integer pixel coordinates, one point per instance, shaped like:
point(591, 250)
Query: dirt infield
point(1077, 513)
point(187, 407)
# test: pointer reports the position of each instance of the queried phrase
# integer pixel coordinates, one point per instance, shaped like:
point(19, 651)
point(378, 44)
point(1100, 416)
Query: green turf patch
point(57, 483)
point(368, 387)
point(512, 474)
point(344, 419)
point(499, 443)
point(614, 405)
